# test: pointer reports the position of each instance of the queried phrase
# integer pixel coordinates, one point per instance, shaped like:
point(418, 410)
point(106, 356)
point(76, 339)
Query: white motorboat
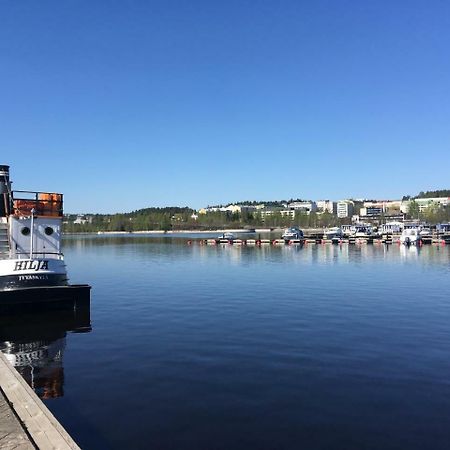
point(333, 233)
point(410, 236)
point(227, 236)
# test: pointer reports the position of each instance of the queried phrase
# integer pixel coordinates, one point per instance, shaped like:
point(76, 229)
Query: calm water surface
point(196, 347)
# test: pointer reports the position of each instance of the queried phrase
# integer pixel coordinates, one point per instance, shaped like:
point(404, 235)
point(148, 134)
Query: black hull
point(30, 280)
point(45, 297)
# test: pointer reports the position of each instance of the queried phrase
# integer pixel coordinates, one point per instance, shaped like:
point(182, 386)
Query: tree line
point(429, 194)
point(184, 218)
point(180, 219)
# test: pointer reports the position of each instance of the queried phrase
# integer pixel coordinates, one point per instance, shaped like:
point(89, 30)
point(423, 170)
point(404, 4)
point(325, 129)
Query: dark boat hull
point(45, 297)
point(9, 282)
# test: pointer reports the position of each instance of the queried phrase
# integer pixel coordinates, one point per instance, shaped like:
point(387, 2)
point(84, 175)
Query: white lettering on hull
point(31, 265)
point(32, 277)
point(39, 266)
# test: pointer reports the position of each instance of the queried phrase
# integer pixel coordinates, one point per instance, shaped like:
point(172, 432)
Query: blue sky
point(126, 104)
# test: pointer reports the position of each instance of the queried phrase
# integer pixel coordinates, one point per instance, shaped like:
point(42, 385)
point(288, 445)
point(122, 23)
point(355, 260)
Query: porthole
point(25, 231)
point(49, 231)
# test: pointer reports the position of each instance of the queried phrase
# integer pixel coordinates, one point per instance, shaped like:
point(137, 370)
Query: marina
point(320, 238)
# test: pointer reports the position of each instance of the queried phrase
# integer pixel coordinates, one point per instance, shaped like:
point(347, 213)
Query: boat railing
point(50, 255)
point(27, 203)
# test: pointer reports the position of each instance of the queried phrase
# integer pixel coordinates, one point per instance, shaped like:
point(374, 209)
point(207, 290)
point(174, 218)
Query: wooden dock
point(316, 239)
point(25, 422)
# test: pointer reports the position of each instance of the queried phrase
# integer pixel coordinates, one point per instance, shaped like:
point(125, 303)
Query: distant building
point(384, 206)
point(288, 213)
point(371, 211)
point(81, 220)
point(424, 203)
point(345, 208)
point(271, 211)
point(326, 206)
point(305, 207)
point(379, 211)
point(229, 209)
point(248, 209)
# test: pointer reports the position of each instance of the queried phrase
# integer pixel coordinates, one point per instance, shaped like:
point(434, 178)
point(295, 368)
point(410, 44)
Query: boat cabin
point(33, 223)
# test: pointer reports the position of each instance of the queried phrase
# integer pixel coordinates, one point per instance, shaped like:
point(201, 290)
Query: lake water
point(199, 347)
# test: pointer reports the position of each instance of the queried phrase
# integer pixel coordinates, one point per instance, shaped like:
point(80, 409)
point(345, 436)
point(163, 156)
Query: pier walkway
point(12, 433)
point(25, 422)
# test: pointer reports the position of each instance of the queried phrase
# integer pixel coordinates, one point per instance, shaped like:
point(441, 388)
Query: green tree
point(414, 210)
point(166, 223)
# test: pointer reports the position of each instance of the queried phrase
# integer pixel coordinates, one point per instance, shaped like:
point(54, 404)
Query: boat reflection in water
point(34, 344)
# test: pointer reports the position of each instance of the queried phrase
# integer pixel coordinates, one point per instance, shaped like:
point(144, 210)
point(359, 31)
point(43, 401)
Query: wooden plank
point(46, 432)
point(12, 434)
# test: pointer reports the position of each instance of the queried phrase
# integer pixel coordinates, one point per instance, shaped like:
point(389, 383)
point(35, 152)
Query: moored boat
point(333, 233)
point(362, 230)
point(410, 236)
point(227, 236)
point(32, 267)
point(292, 233)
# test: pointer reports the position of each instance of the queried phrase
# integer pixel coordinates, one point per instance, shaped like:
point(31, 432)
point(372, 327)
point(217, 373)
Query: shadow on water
point(34, 344)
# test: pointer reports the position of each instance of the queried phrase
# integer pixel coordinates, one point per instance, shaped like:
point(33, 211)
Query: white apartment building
point(345, 208)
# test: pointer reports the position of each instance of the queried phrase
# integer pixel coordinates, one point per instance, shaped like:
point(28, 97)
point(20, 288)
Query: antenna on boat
point(32, 233)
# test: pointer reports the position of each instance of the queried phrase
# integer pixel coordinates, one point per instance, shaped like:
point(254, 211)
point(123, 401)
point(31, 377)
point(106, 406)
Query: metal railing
point(29, 255)
point(29, 203)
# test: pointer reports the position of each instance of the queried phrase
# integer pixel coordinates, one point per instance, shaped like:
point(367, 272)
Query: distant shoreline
point(237, 230)
point(178, 232)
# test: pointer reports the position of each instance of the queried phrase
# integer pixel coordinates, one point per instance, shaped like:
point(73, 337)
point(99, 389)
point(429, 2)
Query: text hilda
point(31, 265)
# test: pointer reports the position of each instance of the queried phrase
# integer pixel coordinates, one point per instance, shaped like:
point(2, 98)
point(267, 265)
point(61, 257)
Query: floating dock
point(360, 240)
point(25, 422)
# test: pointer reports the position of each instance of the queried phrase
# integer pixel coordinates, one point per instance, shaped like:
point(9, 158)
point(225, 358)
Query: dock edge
point(40, 424)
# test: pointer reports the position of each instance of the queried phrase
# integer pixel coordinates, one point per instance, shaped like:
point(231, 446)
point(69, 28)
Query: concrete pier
point(25, 422)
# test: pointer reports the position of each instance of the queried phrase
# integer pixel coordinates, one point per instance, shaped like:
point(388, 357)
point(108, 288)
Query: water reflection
point(121, 247)
point(34, 344)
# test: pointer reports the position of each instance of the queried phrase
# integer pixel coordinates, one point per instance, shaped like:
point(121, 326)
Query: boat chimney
point(5, 189)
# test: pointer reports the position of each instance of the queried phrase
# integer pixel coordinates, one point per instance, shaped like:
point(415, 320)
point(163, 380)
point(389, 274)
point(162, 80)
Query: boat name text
point(32, 277)
point(31, 265)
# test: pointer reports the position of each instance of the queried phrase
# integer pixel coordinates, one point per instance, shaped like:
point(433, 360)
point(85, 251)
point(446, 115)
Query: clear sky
point(125, 104)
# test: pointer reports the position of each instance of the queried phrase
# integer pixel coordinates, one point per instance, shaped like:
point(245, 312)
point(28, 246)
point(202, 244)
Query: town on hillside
point(431, 208)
